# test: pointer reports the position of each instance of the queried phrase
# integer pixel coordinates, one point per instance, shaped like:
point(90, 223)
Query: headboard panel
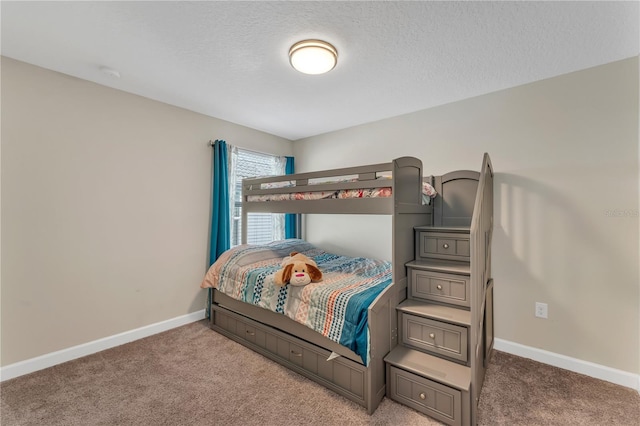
point(456, 197)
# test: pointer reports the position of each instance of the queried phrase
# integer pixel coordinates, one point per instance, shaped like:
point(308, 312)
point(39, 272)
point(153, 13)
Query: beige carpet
point(193, 376)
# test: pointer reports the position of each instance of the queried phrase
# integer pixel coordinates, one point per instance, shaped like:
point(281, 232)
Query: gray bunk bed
point(302, 349)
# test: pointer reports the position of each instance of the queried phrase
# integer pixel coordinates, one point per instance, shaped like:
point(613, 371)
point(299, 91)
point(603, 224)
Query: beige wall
point(105, 209)
point(565, 152)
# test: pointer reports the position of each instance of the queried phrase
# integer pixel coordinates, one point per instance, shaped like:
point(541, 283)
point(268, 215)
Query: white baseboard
point(54, 358)
point(619, 377)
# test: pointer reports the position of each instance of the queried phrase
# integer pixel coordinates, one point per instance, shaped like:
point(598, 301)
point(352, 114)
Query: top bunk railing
point(326, 180)
point(399, 181)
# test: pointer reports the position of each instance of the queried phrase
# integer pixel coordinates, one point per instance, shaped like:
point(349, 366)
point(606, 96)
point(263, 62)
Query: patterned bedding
point(319, 195)
point(336, 307)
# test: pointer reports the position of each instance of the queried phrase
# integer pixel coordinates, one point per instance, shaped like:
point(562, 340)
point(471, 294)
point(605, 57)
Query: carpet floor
point(192, 375)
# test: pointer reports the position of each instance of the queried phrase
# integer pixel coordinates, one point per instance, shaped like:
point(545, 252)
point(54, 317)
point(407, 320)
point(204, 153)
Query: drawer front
point(436, 337)
point(246, 331)
point(447, 288)
point(294, 353)
point(343, 374)
point(431, 398)
point(443, 246)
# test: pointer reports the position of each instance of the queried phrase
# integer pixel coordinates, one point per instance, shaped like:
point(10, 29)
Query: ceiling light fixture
point(313, 56)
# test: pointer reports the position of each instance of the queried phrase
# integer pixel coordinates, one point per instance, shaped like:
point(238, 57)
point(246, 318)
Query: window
point(262, 227)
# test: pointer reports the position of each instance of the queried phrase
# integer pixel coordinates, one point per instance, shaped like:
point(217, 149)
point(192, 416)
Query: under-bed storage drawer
point(451, 246)
point(434, 399)
point(301, 356)
point(437, 337)
point(447, 288)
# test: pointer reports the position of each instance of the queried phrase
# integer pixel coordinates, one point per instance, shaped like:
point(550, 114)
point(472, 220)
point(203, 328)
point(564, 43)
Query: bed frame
point(300, 348)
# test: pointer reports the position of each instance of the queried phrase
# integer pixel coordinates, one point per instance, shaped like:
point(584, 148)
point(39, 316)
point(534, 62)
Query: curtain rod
point(212, 143)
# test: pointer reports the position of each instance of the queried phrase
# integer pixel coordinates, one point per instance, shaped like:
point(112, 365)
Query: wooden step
point(447, 229)
point(438, 312)
point(439, 265)
point(437, 369)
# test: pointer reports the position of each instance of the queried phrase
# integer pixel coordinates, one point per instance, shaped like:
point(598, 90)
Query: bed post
point(299, 226)
point(407, 214)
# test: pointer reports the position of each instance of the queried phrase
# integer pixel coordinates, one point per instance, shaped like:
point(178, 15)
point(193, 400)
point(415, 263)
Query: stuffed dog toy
point(298, 270)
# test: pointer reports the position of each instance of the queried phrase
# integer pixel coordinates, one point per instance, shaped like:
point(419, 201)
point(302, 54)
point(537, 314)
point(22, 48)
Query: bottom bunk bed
point(335, 332)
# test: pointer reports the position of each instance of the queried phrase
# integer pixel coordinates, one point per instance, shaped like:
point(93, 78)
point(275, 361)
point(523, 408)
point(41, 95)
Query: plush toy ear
point(293, 253)
point(286, 274)
point(314, 273)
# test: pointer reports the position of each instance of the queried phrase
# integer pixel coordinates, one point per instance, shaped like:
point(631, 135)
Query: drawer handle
point(251, 333)
point(422, 396)
point(294, 353)
point(432, 335)
point(445, 245)
point(439, 287)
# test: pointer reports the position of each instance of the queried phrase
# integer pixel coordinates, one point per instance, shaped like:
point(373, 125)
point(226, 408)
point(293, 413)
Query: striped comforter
point(335, 307)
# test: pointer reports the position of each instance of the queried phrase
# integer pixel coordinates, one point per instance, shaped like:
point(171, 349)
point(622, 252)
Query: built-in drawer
point(447, 288)
point(451, 246)
point(298, 354)
point(284, 348)
point(436, 337)
point(431, 398)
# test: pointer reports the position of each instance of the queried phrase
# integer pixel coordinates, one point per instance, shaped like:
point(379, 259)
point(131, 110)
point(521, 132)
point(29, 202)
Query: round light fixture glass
point(313, 56)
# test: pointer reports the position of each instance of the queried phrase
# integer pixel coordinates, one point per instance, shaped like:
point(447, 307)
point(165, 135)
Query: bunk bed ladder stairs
point(445, 326)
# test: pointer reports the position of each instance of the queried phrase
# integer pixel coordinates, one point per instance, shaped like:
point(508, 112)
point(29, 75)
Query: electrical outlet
point(541, 310)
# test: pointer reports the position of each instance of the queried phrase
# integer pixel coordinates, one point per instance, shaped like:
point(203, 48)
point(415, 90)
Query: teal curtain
point(290, 220)
point(220, 222)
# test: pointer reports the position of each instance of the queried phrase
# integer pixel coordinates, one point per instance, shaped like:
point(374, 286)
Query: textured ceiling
point(228, 59)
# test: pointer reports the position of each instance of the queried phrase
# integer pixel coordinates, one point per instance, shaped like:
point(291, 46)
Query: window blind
point(262, 227)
